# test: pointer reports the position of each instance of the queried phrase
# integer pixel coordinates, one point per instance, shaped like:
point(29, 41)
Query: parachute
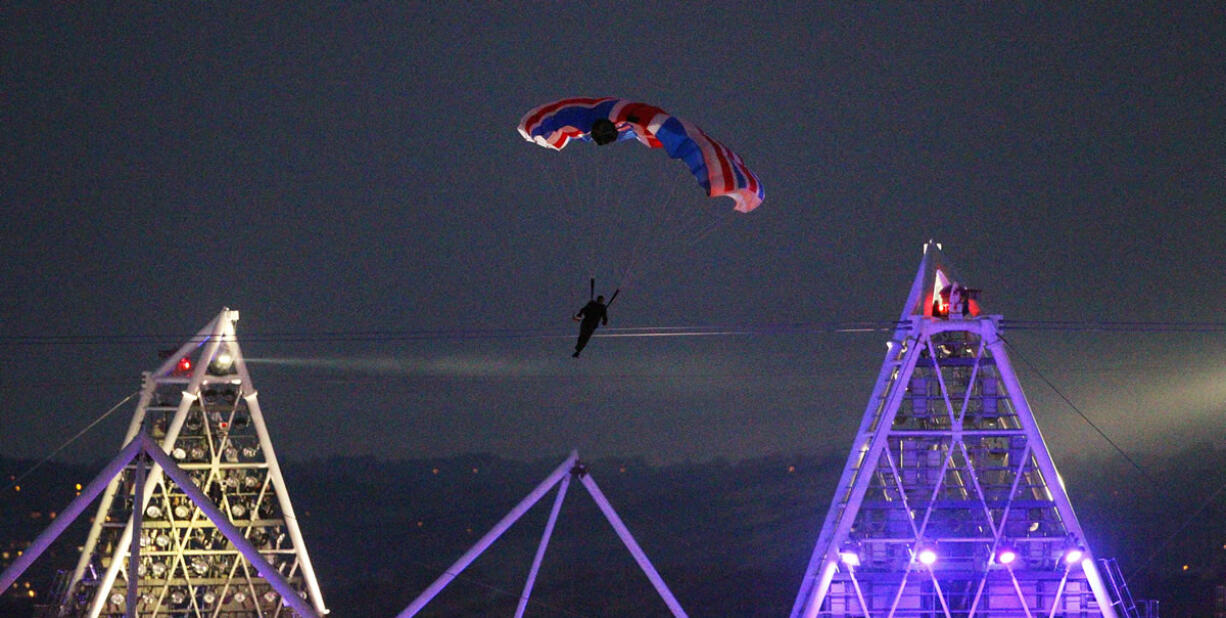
point(604, 120)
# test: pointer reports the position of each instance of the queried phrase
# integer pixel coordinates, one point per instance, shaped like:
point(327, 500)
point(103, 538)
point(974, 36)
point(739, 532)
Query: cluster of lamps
point(212, 395)
point(195, 452)
point(927, 555)
point(222, 363)
point(178, 597)
point(181, 511)
point(198, 452)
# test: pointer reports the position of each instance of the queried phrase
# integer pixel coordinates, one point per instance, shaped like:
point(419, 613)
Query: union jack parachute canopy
point(716, 168)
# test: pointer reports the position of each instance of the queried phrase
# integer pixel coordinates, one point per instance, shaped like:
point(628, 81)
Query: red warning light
point(185, 365)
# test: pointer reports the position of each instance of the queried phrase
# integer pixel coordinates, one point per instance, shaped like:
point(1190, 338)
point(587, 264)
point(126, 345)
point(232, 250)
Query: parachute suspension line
point(612, 203)
point(589, 199)
point(658, 232)
point(715, 224)
point(681, 233)
point(549, 169)
point(572, 195)
point(646, 235)
point(560, 208)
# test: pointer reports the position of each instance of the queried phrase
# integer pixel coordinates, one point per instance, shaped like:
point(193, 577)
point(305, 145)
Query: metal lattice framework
point(950, 503)
point(561, 477)
point(200, 406)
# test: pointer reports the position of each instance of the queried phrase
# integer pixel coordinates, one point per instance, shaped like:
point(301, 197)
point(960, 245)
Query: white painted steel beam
point(628, 540)
point(484, 542)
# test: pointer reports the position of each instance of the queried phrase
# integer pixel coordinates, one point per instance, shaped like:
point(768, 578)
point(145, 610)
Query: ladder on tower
point(1120, 592)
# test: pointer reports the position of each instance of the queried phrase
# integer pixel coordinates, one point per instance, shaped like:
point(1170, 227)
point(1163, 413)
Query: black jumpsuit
point(593, 315)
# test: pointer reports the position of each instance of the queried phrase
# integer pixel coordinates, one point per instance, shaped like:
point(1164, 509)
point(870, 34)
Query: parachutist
point(590, 317)
point(603, 131)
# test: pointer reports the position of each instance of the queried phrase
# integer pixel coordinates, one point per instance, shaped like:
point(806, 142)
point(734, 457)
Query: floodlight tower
point(949, 504)
point(202, 408)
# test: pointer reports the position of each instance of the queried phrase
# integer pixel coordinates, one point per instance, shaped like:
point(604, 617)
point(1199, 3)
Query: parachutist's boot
point(575, 355)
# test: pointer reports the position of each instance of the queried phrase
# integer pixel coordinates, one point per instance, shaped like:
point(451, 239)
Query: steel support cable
point(1085, 418)
point(1147, 476)
point(522, 333)
point(70, 441)
point(1162, 546)
point(1125, 327)
point(530, 333)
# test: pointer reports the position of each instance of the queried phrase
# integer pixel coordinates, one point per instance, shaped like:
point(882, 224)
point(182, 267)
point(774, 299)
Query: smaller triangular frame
point(560, 477)
point(144, 445)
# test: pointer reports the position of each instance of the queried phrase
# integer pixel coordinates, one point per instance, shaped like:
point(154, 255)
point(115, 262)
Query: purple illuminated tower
point(950, 504)
point(201, 408)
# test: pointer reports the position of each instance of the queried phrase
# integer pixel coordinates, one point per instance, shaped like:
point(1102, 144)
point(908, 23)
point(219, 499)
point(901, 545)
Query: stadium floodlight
point(1006, 555)
point(223, 362)
point(1073, 554)
point(200, 565)
point(850, 555)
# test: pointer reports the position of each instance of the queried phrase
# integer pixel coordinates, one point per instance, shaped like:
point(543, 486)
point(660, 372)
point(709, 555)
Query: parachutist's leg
point(584, 335)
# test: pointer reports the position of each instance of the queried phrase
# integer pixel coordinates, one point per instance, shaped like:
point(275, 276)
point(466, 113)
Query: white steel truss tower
point(200, 406)
point(949, 504)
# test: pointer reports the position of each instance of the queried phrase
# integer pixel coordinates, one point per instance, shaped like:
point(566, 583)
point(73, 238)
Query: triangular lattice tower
point(950, 504)
point(201, 407)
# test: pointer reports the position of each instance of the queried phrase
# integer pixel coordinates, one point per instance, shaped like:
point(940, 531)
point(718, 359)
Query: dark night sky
point(355, 168)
